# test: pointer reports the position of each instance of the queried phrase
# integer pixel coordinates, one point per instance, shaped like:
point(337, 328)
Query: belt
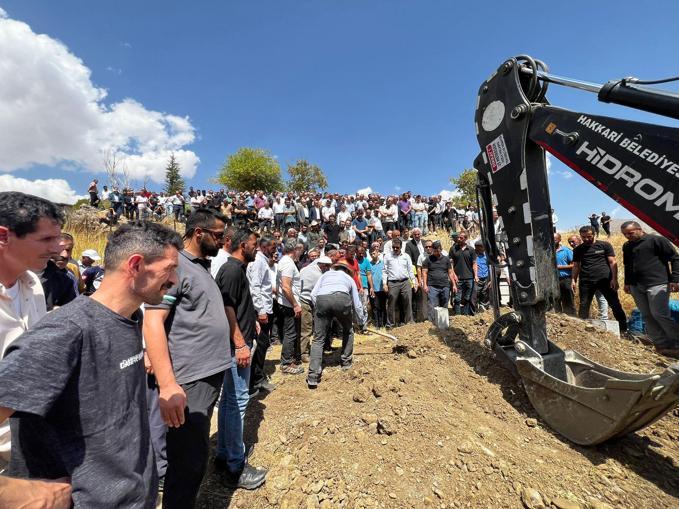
point(397, 280)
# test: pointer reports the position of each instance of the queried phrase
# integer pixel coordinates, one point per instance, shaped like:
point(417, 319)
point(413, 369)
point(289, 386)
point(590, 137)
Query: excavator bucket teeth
point(589, 403)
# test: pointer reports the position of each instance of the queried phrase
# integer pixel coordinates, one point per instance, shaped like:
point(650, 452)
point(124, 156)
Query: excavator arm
point(637, 165)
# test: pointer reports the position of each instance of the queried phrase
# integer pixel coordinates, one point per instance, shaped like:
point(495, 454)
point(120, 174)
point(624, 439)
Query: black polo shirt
point(647, 261)
point(235, 288)
point(463, 261)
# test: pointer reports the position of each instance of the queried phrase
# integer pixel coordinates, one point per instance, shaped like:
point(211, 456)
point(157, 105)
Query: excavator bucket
point(589, 403)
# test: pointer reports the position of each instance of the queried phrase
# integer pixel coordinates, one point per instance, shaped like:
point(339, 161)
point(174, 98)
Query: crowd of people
point(112, 371)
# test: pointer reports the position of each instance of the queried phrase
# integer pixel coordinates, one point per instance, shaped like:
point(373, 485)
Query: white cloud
point(446, 195)
point(114, 70)
point(52, 114)
point(397, 188)
point(365, 191)
point(56, 190)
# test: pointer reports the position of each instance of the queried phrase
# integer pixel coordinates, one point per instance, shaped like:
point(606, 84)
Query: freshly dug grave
point(438, 423)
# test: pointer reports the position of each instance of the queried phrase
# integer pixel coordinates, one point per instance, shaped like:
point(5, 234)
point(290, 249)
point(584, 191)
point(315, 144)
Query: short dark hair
point(139, 237)
point(67, 236)
point(627, 224)
point(265, 241)
point(396, 242)
point(21, 212)
point(584, 229)
point(203, 218)
point(240, 236)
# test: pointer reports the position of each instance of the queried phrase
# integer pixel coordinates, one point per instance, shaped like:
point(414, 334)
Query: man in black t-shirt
point(651, 273)
point(332, 230)
point(437, 278)
point(75, 382)
point(595, 268)
point(464, 263)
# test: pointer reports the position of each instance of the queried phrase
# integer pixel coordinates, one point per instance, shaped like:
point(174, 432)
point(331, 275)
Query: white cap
point(91, 253)
point(324, 259)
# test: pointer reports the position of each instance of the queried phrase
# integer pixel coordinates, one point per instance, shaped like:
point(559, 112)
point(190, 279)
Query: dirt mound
point(438, 423)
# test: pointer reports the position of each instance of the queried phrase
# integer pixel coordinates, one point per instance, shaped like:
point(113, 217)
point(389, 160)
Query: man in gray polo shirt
point(187, 341)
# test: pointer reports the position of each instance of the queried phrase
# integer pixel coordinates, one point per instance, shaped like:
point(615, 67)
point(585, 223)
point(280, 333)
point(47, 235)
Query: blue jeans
point(439, 296)
point(232, 406)
point(463, 297)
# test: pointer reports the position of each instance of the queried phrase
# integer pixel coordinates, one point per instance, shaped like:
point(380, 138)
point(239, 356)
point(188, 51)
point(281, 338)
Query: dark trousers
point(257, 374)
point(157, 426)
point(463, 297)
point(328, 307)
point(403, 291)
point(567, 303)
point(378, 305)
point(587, 291)
point(289, 332)
point(188, 445)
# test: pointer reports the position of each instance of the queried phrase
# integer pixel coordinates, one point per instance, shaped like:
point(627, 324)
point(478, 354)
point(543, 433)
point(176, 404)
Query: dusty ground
point(440, 424)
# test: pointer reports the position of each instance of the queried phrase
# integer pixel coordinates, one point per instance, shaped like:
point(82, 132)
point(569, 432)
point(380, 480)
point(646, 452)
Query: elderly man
point(309, 276)
point(651, 273)
point(76, 380)
point(335, 296)
point(399, 281)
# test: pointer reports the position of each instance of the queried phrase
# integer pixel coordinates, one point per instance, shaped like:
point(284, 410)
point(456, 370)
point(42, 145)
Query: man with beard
point(242, 315)
point(76, 381)
point(464, 263)
point(187, 341)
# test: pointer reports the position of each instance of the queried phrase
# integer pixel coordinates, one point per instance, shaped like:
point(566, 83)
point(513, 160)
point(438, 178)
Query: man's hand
point(35, 494)
point(425, 288)
point(172, 403)
point(258, 328)
point(386, 287)
point(627, 289)
point(416, 286)
point(674, 287)
point(614, 284)
point(262, 319)
point(372, 293)
point(243, 356)
point(298, 311)
point(573, 286)
point(147, 364)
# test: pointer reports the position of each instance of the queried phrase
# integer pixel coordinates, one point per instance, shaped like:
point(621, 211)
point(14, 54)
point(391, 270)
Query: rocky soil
point(438, 423)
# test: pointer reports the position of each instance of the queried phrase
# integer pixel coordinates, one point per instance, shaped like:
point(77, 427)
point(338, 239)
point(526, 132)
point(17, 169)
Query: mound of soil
point(437, 422)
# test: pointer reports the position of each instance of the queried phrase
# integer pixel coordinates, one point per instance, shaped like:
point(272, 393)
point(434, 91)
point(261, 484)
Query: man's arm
point(614, 272)
point(172, 397)
point(35, 493)
point(5, 413)
point(385, 286)
point(576, 274)
point(242, 351)
point(286, 288)
point(453, 277)
point(424, 274)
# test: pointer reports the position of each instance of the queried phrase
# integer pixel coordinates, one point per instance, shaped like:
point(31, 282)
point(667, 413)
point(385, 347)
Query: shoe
point(328, 350)
point(161, 484)
point(668, 352)
point(312, 385)
point(250, 478)
point(254, 392)
point(305, 358)
point(292, 369)
point(347, 367)
point(266, 386)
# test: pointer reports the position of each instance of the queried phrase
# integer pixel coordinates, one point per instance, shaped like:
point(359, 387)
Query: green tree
point(249, 169)
point(173, 179)
point(305, 176)
point(465, 185)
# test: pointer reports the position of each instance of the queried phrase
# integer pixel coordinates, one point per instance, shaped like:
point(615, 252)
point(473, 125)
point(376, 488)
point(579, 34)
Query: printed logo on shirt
point(132, 360)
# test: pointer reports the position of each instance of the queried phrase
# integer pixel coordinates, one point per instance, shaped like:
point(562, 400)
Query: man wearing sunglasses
point(187, 341)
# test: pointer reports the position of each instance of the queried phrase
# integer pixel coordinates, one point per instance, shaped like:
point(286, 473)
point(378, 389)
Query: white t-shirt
point(375, 223)
point(14, 295)
point(326, 212)
point(343, 216)
point(287, 268)
point(265, 213)
point(278, 206)
point(217, 261)
point(141, 202)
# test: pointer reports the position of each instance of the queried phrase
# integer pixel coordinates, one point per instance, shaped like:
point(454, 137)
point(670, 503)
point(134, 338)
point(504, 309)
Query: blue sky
point(379, 94)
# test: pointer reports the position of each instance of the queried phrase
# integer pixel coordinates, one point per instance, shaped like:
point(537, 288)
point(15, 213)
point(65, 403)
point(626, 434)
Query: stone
point(369, 418)
point(312, 502)
point(532, 499)
point(412, 354)
point(465, 448)
point(531, 422)
point(593, 503)
point(437, 492)
point(487, 452)
point(372, 427)
point(378, 390)
point(385, 427)
point(317, 486)
point(392, 495)
point(360, 396)
point(564, 503)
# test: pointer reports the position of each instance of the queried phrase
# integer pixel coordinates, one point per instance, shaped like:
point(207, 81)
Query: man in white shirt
point(399, 281)
point(30, 231)
point(224, 253)
point(327, 211)
point(289, 320)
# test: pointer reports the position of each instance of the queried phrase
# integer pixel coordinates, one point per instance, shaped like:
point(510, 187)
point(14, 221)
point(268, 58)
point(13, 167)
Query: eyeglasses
point(215, 235)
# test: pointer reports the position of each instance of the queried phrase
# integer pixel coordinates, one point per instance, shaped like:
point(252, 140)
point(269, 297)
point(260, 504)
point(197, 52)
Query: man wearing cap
point(309, 276)
point(91, 274)
point(397, 278)
point(334, 296)
point(313, 235)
